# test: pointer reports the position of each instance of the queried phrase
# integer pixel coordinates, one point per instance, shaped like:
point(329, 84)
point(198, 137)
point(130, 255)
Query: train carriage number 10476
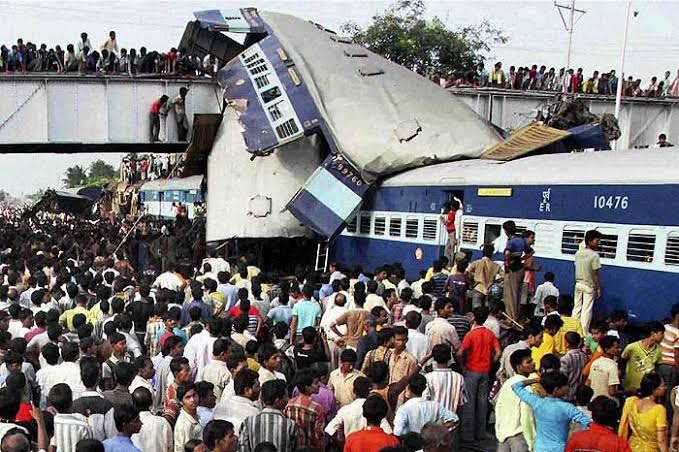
point(611, 202)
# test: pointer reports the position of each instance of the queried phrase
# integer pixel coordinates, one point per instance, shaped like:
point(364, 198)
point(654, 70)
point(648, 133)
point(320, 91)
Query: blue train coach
point(631, 197)
point(160, 197)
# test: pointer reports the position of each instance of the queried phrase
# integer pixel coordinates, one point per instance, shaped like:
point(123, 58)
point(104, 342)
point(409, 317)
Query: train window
point(395, 226)
point(351, 227)
point(412, 227)
point(430, 228)
point(470, 232)
point(672, 249)
point(609, 243)
point(545, 238)
point(364, 223)
point(640, 246)
point(571, 238)
point(380, 225)
point(520, 230)
point(491, 233)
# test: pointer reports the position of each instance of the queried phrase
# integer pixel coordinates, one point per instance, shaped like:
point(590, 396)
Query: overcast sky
point(536, 36)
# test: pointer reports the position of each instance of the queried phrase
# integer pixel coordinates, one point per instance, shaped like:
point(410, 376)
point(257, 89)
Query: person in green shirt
point(597, 332)
point(643, 356)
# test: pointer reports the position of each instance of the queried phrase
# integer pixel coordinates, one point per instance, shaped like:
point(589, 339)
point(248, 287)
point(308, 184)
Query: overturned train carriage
point(312, 122)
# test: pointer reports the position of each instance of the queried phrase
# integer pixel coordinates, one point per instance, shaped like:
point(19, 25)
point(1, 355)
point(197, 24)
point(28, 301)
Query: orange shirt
point(370, 439)
point(479, 345)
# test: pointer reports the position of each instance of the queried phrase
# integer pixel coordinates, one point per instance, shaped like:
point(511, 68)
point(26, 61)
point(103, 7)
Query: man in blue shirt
point(127, 422)
point(552, 414)
point(206, 310)
point(514, 251)
point(228, 291)
point(304, 313)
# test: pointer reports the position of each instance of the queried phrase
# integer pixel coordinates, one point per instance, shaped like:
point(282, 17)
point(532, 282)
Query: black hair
point(10, 401)
point(214, 431)
point(348, 356)
point(604, 411)
point(273, 390)
point(552, 381)
point(124, 414)
point(649, 383)
point(480, 314)
point(183, 389)
point(204, 388)
point(61, 397)
point(266, 352)
point(607, 342)
point(50, 352)
point(219, 347)
point(177, 363)
point(384, 336)
point(142, 398)
point(572, 339)
point(378, 372)
point(89, 445)
point(304, 378)
point(442, 353)
point(550, 362)
point(417, 384)
point(374, 409)
point(518, 357)
point(362, 387)
point(244, 379)
point(413, 320)
point(583, 394)
point(125, 373)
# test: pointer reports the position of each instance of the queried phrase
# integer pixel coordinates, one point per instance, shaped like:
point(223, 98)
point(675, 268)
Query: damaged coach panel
point(295, 79)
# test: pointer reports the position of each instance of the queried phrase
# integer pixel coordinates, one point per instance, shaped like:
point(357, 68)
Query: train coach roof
point(184, 183)
point(373, 108)
point(635, 166)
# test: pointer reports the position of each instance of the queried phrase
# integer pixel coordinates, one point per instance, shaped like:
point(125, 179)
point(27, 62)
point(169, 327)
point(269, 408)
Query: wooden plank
point(523, 141)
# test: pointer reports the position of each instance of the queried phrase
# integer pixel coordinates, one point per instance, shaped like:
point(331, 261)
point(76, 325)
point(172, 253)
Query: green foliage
point(100, 173)
point(403, 35)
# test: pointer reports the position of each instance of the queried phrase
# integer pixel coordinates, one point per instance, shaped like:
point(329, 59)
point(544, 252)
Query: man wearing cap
point(178, 105)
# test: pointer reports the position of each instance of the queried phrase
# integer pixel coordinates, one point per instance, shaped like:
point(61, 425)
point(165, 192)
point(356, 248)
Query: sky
point(535, 31)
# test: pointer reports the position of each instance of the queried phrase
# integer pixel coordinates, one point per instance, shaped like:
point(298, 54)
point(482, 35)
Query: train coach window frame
point(430, 229)
point(352, 226)
point(395, 226)
point(365, 224)
point(641, 246)
point(571, 236)
point(380, 225)
point(470, 232)
point(671, 256)
point(412, 227)
point(608, 248)
point(493, 229)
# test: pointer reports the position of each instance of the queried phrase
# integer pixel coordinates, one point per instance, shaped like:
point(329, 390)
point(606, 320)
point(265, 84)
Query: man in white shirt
point(199, 348)
point(243, 404)
point(69, 428)
point(416, 412)
point(67, 372)
point(218, 264)
point(514, 424)
point(145, 372)
point(216, 371)
point(350, 417)
point(417, 344)
point(234, 364)
point(543, 291)
point(372, 299)
point(169, 280)
point(335, 342)
point(156, 433)
point(187, 426)
point(270, 359)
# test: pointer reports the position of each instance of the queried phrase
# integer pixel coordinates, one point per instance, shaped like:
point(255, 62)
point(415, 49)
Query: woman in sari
point(644, 420)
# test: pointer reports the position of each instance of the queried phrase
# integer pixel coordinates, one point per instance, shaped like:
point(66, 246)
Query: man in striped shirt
point(444, 385)
point(307, 414)
point(670, 354)
point(270, 425)
point(69, 428)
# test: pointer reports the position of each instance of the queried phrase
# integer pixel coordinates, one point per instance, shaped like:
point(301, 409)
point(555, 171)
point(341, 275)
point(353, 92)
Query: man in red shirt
point(154, 116)
point(601, 435)
point(449, 221)
point(372, 438)
point(479, 349)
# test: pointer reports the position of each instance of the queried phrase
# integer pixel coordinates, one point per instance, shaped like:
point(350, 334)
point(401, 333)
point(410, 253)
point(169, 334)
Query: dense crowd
point(155, 344)
point(109, 58)
point(536, 78)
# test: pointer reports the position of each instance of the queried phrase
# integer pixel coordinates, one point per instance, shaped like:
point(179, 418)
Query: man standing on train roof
point(514, 273)
point(587, 279)
point(450, 220)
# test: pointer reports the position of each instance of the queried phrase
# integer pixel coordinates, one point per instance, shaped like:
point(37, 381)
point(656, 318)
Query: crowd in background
point(107, 58)
point(540, 78)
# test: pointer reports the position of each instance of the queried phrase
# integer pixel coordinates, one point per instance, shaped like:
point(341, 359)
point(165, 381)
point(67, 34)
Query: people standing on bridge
point(111, 44)
point(156, 107)
point(587, 279)
point(514, 273)
point(84, 42)
point(178, 104)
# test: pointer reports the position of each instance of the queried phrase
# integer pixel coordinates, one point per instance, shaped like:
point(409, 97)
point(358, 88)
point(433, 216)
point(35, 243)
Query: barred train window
point(364, 223)
point(380, 225)
point(571, 238)
point(640, 246)
point(351, 227)
point(470, 232)
point(609, 243)
point(430, 229)
point(395, 226)
point(672, 249)
point(412, 227)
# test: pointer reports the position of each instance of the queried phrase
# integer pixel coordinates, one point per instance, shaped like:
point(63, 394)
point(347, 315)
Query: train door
point(451, 196)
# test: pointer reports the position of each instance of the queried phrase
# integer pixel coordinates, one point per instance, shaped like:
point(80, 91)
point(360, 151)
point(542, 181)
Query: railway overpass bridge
point(71, 114)
point(641, 119)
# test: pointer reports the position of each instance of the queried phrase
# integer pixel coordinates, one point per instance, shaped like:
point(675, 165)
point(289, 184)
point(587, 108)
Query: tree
point(403, 35)
point(99, 169)
point(74, 176)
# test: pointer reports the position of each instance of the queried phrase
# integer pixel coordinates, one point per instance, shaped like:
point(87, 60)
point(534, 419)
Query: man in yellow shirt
point(570, 324)
point(553, 324)
point(66, 319)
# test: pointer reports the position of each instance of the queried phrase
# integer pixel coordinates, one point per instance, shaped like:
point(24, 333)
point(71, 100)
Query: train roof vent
point(368, 70)
point(528, 139)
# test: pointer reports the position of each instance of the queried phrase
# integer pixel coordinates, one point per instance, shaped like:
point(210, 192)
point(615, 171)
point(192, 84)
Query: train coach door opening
point(452, 195)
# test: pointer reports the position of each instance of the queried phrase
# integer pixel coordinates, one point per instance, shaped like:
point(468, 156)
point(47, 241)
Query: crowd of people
point(135, 168)
point(107, 58)
point(108, 345)
point(540, 78)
